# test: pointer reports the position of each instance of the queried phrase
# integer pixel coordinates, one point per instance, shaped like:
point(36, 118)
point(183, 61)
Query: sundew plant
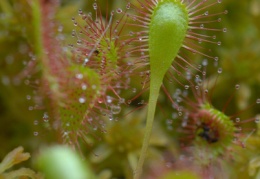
point(130, 89)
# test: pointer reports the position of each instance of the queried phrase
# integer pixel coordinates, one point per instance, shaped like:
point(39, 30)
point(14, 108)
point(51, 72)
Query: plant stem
point(154, 93)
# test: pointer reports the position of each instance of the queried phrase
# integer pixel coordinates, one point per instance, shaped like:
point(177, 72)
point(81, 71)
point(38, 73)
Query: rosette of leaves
point(77, 89)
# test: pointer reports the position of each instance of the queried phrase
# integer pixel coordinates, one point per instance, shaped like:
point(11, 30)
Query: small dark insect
point(208, 134)
point(96, 52)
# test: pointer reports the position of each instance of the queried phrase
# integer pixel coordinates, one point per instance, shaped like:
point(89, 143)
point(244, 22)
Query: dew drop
point(79, 76)
point(184, 124)
point(178, 91)
point(127, 54)
point(122, 100)
point(73, 33)
point(174, 115)
point(237, 86)
point(84, 86)
point(220, 70)
point(36, 122)
point(100, 100)
point(82, 100)
point(60, 28)
point(71, 46)
point(219, 1)
point(219, 43)
point(95, 6)
point(128, 5)
point(141, 102)
point(28, 97)
point(112, 13)
point(79, 42)
point(257, 120)
point(237, 119)
point(186, 86)
point(80, 12)
point(131, 33)
point(205, 62)
point(219, 19)
point(178, 100)
point(169, 121)
point(109, 99)
point(201, 26)
point(65, 133)
point(134, 90)
point(188, 75)
point(115, 109)
point(45, 117)
point(84, 17)
point(86, 60)
point(110, 117)
point(35, 133)
point(224, 29)
point(119, 10)
point(258, 101)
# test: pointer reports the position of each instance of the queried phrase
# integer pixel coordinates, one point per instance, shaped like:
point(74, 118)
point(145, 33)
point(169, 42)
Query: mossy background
point(239, 56)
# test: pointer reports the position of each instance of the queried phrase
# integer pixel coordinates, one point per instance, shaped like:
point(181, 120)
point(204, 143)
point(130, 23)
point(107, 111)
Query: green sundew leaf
point(108, 57)
point(167, 30)
point(109, 49)
point(60, 162)
point(220, 122)
point(82, 91)
point(79, 95)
